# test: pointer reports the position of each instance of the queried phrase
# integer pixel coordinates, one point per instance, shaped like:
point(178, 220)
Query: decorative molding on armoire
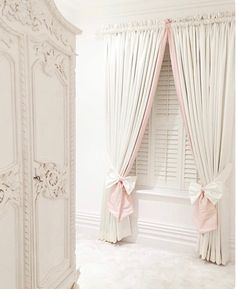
point(28, 24)
point(51, 59)
point(5, 40)
point(9, 187)
point(50, 181)
point(27, 201)
point(72, 156)
point(29, 13)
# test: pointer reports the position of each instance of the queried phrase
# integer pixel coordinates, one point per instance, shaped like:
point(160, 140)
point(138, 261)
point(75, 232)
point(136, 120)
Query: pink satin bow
point(204, 200)
point(204, 214)
point(120, 202)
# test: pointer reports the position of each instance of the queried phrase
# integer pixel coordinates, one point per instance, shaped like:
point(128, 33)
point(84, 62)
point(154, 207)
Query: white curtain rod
point(154, 24)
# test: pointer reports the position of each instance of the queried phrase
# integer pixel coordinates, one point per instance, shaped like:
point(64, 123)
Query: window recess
point(165, 162)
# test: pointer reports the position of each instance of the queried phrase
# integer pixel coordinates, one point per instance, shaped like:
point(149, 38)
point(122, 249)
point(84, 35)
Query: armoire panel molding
point(10, 267)
point(9, 141)
point(51, 62)
point(72, 159)
point(9, 188)
point(5, 40)
point(37, 27)
point(11, 184)
point(50, 183)
point(54, 272)
point(27, 202)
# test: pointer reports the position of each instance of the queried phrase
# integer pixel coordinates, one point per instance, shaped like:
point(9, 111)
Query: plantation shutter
point(165, 129)
point(190, 171)
point(142, 160)
point(165, 158)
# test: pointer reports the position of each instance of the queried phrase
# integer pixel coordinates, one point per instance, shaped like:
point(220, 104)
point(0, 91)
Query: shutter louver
point(166, 156)
point(142, 160)
point(166, 98)
point(165, 159)
point(133, 170)
point(166, 122)
point(190, 171)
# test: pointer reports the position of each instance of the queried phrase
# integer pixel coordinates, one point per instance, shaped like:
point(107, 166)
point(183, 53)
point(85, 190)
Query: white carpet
point(132, 266)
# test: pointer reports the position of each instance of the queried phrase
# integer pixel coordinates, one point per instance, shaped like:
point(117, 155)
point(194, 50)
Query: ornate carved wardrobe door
point(11, 177)
point(37, 148)
point(51, 73)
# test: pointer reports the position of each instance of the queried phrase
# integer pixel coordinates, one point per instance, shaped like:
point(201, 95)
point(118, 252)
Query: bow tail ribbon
point(120, 202)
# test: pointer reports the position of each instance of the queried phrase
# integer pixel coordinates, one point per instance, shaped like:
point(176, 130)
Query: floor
point(133, 266)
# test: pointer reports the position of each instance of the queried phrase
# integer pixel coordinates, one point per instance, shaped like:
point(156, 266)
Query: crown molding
point(131, 8)
point(135, 3)
point(96, 13)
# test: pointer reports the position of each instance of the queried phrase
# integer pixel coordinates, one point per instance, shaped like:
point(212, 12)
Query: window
point(165, 159)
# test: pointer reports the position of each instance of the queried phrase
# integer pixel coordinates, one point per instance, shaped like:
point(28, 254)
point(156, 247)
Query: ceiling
point(99, 3)
point(75, 10)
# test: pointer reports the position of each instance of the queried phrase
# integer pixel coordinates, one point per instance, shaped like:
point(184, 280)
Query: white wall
point(161, 219)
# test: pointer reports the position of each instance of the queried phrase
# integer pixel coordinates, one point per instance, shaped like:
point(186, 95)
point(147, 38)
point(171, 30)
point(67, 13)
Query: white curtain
point(205, 63)
point(133, 61)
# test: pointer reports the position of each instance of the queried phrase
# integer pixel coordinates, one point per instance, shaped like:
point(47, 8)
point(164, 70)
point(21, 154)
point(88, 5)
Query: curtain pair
point(202, 57)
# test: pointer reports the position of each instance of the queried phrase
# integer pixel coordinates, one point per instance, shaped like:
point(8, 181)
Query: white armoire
point(37, 146)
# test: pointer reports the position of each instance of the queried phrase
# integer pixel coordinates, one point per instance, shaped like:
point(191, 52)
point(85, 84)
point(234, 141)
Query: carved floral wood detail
point(32, 33)
point(6, 42)
point(9, 187)
point(29, 13)
point(51, 59)
point(50, 181)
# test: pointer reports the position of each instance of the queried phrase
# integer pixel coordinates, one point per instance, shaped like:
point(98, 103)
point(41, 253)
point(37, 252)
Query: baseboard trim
point(86, 219)
point(88, 223)
point(167, 233)
point(159, 235)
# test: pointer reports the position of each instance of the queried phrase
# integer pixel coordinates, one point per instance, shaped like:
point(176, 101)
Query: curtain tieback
point(120, 202)
point(213, 191)
point(205, 198)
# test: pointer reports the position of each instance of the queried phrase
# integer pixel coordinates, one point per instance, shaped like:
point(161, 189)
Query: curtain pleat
point(202, 56)
point(133, 62)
